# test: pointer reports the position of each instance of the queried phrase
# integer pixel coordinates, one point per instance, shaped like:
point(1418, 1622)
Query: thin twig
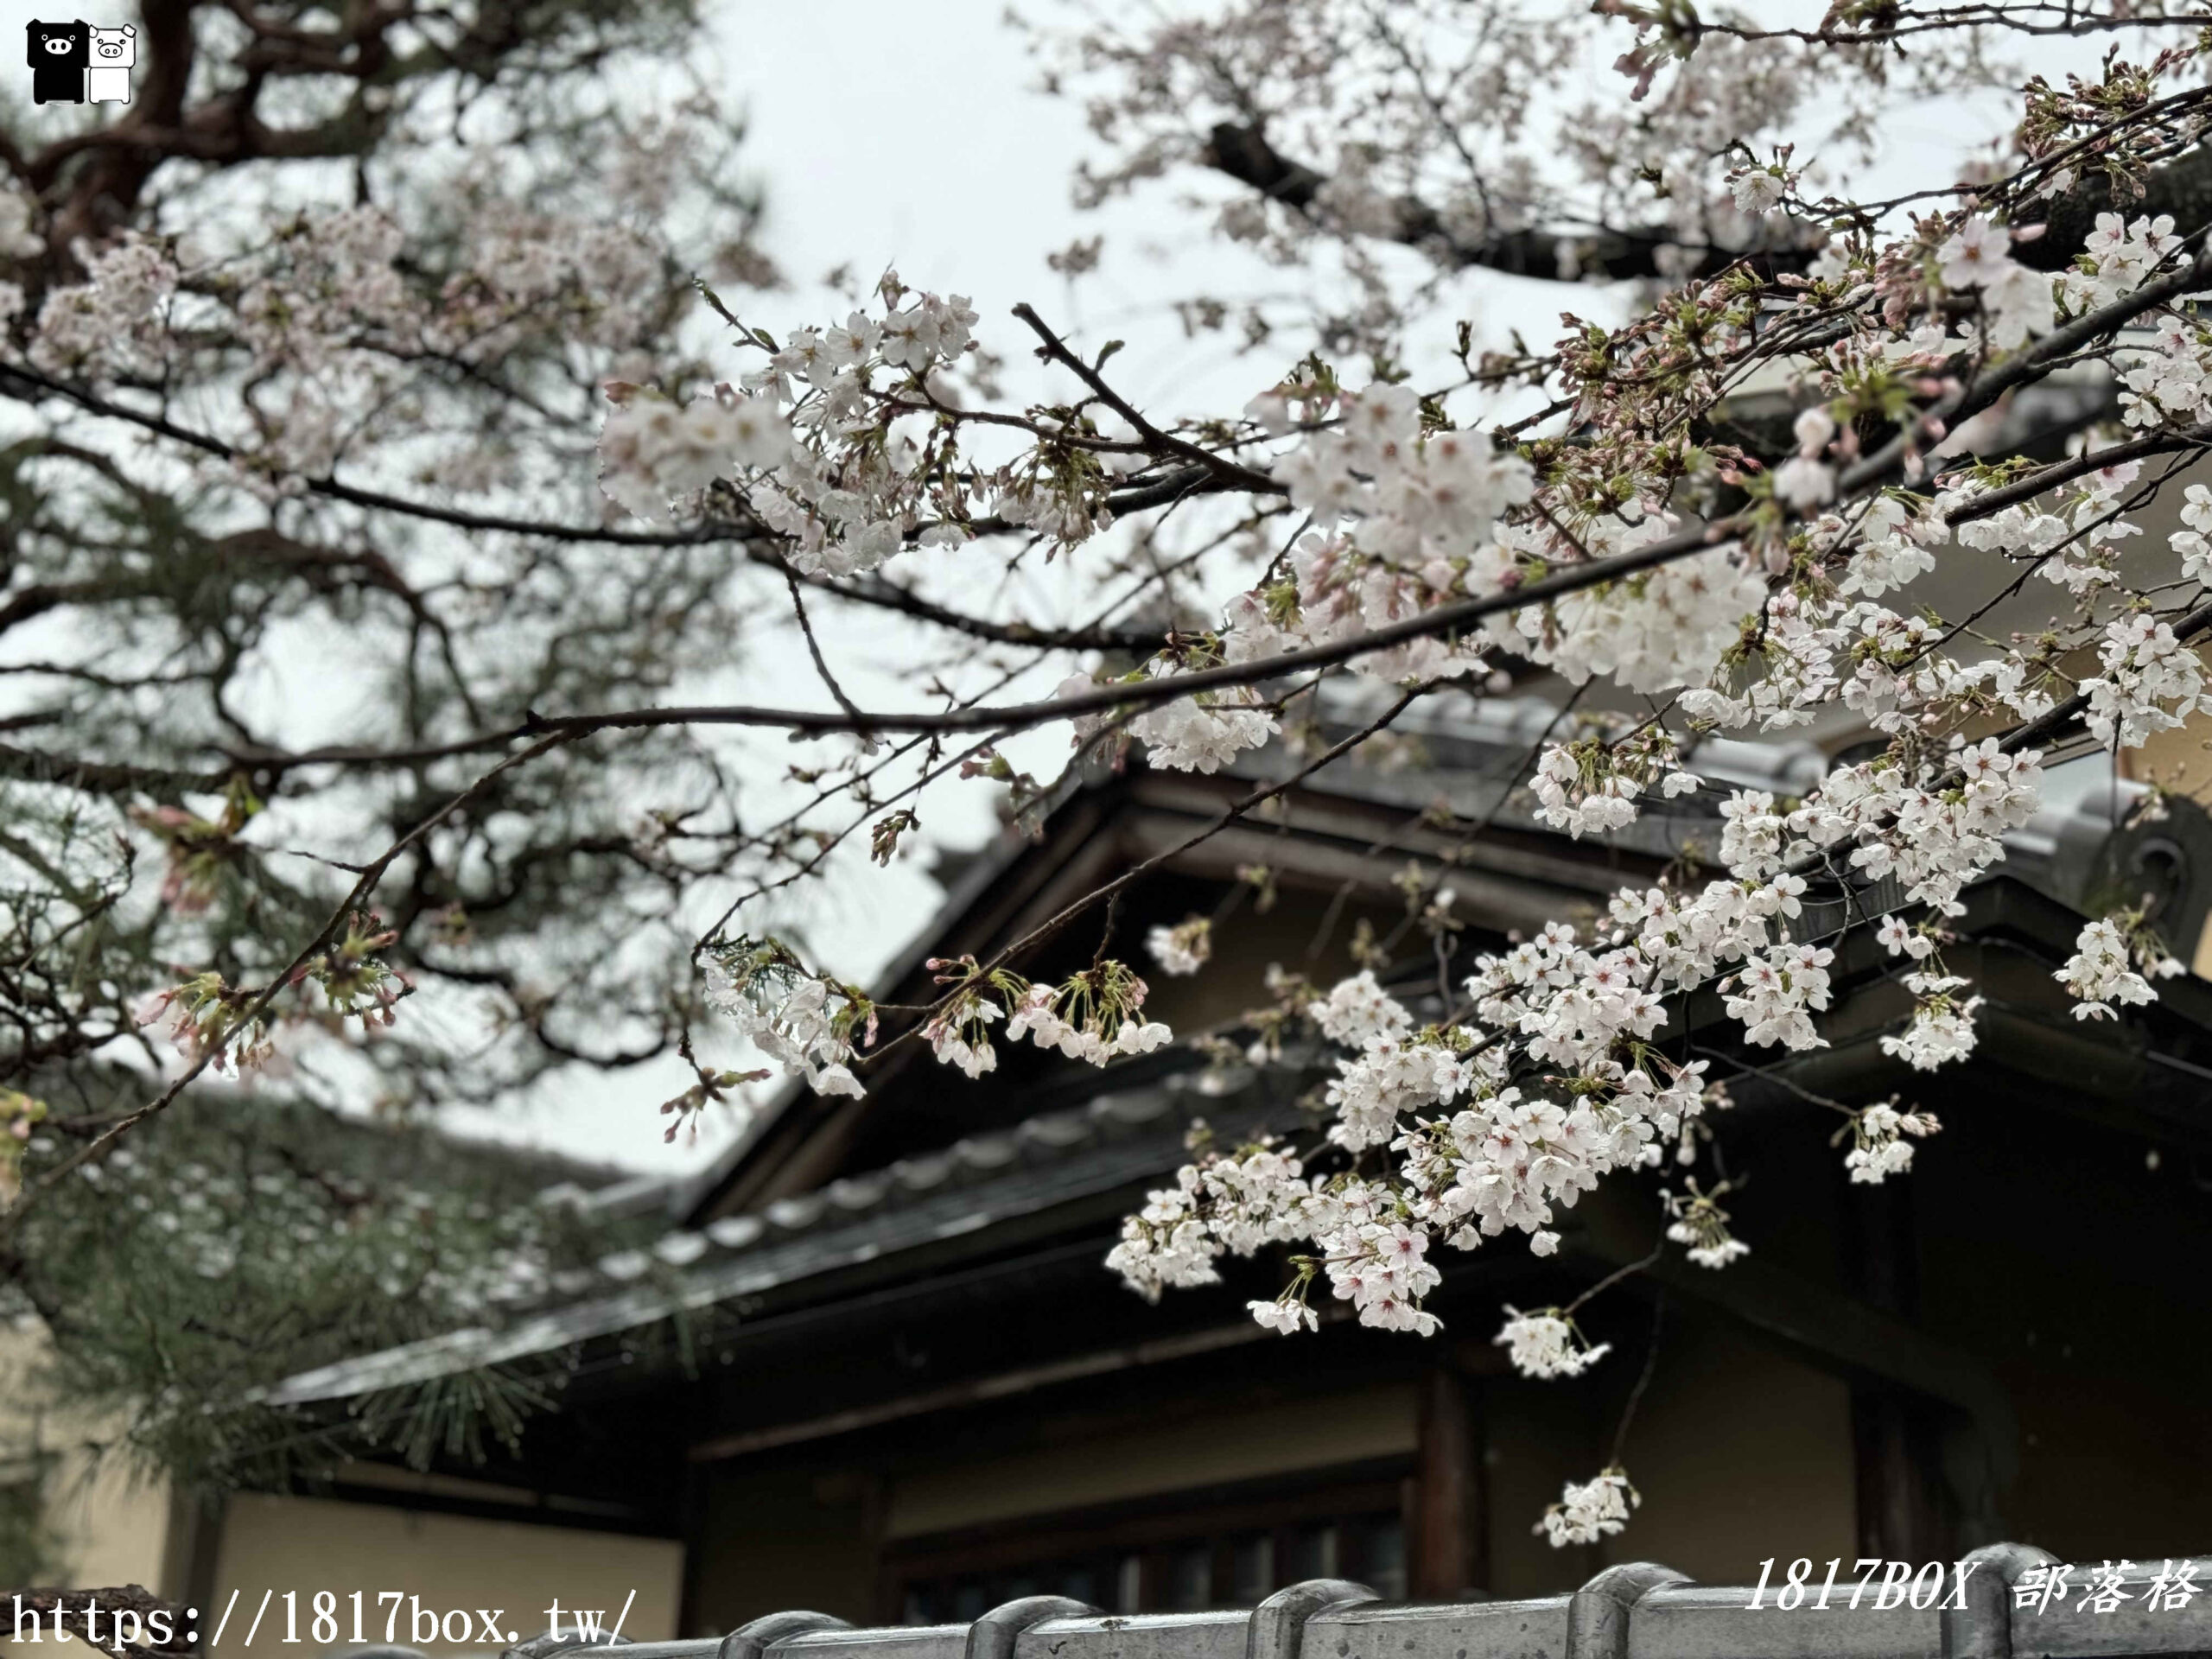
point(814, 648)
point(1643, 1382)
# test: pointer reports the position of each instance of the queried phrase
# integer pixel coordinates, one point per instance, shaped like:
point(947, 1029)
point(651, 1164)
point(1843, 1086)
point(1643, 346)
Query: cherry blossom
point(1702, 1226)
point(1404, 507)
point(805, 1022)
point(1879, 1147)
point(1548, 1344)
point(1595, 1510)
point(2102, 971)
point(1182, 948)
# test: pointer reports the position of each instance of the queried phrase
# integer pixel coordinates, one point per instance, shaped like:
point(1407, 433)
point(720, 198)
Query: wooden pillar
point(1445, 1545)
point(1903, 1506)
point(697, 1479)
point(191, 1549)
point(1888, 1507)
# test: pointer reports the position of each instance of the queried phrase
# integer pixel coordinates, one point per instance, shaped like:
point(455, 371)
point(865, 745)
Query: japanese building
point(875, 1368)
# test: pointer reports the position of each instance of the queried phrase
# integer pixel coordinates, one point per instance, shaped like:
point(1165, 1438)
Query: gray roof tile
point(977, 1184)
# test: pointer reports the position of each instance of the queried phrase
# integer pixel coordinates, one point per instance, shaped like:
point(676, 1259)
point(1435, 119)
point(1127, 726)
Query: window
point(1169, 1557)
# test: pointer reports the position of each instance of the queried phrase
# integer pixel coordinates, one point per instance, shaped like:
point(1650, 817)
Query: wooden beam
point(1902, 1513)
point(1496, 900)
point(1000, 1386)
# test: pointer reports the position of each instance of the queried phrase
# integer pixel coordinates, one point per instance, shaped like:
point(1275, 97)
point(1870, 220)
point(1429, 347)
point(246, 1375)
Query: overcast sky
point(962, 183)
point(884, 133)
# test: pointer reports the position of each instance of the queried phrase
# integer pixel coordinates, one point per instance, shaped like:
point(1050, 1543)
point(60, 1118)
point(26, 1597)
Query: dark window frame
point(1018, 1554)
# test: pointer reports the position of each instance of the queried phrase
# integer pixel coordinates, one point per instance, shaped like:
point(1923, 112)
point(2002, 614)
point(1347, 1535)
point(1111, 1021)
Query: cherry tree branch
point(2182, 189)
point(876, 593)
point(216, 1042)
point(1244, 152)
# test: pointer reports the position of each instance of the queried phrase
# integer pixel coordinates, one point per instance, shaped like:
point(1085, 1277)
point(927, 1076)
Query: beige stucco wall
point(110, 1523)
point(448, 1561)
point(1741, 1453)
point(113, 1522)
point(113, 1526)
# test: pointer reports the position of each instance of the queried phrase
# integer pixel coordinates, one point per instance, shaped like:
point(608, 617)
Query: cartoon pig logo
point(60, 53)
point(114, 54)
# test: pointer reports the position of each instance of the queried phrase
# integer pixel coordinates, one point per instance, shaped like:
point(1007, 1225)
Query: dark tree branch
point(1244, 154)
point(877, 592)
point(101, 777)
point(2182, 188)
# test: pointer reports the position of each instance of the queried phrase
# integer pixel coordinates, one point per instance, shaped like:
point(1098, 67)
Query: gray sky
point(911, 135)
point(962, 182)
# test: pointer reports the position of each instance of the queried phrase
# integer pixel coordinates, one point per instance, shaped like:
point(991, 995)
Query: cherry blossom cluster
point(806, 1022)
point(846, 444)
point(1778, 991)
point(1880, 1146)
point(206, 1015)
point(1221, 1202)
point(653, 454)
point(1095, 1016)
point(1182, 948)
point(1381, 1267)
point(1404, 511)
point(1932, 835)
point(1500, 1160)
point(1458, 131)
point(2118, 258)
point(2016, 301)
point(328, 320)
point(1203, 733)
point(234, 1028)
point(115, 322)
point(1590, 786)
point(1391, 1076)
point(1464, 1144)
point(1941, 1027)
point(2167, 385)
point(2190, 541)
point(1548, 1344)
point(1701, 1226)
point(870, 469)
point(356, 982)
point(1650, 634)
point(2103, 971)
point(2151, 682)
point(1593, 1510)
point(2074, 543)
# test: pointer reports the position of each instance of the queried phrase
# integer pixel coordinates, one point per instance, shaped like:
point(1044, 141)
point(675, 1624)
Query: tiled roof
point(1124, 1137)
point(1477, 749)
